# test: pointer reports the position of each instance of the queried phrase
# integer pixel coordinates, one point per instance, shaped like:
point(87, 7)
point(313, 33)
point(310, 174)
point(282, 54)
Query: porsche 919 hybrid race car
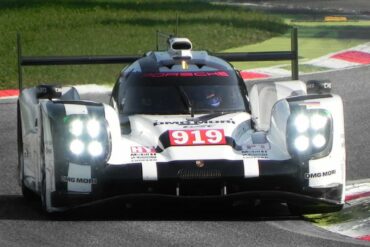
point(183, 124)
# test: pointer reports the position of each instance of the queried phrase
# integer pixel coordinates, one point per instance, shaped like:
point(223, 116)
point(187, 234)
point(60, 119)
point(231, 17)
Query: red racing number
point(197, 137)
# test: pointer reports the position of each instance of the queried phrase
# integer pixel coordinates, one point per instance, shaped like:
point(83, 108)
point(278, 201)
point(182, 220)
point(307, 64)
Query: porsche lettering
point(187, 74)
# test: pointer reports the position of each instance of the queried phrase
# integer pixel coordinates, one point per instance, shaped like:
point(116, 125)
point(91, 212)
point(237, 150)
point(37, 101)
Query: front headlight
point(95, 148)
point(301, 123)
point(318, 121)
point(76, 127)
point(87, 138)
point(76, 147)
point(93, 128)
point(319, 141)
point(302, 143)
point(309, 133)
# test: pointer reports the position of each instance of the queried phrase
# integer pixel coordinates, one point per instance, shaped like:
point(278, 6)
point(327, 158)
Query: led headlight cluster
point(88, 137)
point(309, 133)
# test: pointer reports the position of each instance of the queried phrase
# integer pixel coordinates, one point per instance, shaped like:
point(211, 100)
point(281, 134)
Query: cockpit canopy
point(179, 81)
point(187, 92)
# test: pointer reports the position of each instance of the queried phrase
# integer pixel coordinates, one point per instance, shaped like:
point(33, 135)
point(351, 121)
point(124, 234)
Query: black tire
point(44, 207)
point(27, 193)
point(43, 193)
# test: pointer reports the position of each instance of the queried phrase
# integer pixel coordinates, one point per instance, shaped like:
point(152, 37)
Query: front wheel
point(47, 201)
point(46, 197)
point(27, 193)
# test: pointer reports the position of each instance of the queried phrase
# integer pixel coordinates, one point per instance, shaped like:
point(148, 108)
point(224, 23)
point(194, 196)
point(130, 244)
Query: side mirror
point(125, 124)
point(318, 86)
point(48, 91)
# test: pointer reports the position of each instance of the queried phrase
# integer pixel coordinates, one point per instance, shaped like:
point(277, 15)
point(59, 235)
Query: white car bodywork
point(157, 142)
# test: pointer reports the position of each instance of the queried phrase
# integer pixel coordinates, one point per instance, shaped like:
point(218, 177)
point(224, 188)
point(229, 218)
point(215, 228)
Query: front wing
point(74, 182)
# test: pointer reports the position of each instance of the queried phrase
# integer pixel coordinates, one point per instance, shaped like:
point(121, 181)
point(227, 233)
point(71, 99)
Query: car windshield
point(181, 95)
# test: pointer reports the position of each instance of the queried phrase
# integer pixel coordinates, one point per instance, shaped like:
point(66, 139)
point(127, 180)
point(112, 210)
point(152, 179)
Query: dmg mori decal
point(67, 179)
point(319, 174)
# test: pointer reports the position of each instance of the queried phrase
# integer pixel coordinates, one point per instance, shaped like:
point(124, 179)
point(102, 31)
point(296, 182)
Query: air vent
point(199, 173)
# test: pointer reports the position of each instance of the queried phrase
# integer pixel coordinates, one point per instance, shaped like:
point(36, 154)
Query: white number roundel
point(197, 137)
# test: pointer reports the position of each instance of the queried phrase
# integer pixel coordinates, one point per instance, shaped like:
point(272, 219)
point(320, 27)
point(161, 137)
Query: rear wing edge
point(291, 55)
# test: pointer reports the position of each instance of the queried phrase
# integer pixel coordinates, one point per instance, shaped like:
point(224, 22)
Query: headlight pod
point(309, 133)
point(87, 138)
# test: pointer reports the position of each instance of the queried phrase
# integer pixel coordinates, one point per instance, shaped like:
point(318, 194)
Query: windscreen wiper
point(185, 98)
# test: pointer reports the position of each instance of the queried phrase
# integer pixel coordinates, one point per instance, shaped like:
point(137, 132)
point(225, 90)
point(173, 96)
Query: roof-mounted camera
point(180, 48)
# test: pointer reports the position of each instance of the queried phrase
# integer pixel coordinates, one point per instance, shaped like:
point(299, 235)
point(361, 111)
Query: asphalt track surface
point(160, 224)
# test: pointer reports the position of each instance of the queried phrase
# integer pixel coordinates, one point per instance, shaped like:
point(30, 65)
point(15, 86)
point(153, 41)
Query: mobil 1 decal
point(143, 153)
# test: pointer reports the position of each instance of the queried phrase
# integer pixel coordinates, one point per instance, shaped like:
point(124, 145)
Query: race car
point(184, 124)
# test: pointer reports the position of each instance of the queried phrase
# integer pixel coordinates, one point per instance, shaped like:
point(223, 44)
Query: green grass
point(103, 27)
point(351, 213)
point(315, 39)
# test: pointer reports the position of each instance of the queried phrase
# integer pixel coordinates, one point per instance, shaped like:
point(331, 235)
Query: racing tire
point(43, 194)
point(47, 202)
point(26, 192)
point(45, 198)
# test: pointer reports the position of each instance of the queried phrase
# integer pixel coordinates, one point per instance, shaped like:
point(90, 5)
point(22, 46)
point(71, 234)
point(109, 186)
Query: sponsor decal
point(311, 105)
point(256, 150)
point(67, 179)
point(203, 126)
point(48, 150)
point(187, 74)
point(194, 122)
point(143, 153)
point(319, 174)
point(197, 137)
